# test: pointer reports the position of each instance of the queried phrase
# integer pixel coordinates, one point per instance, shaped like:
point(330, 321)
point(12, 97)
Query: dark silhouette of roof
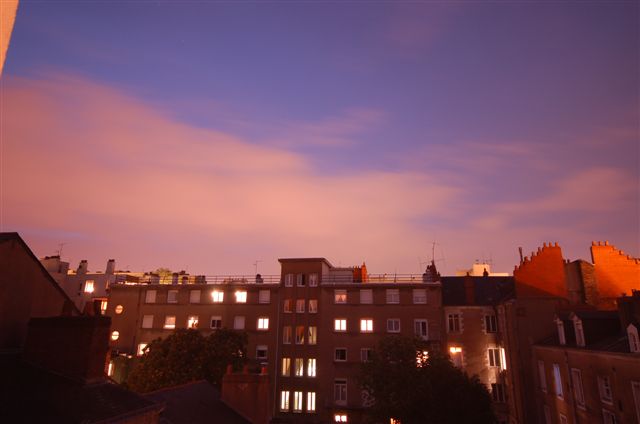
point(487, 290)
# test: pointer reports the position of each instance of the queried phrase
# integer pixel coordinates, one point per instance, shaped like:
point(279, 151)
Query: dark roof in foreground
point(194, 403)
point(487, 290)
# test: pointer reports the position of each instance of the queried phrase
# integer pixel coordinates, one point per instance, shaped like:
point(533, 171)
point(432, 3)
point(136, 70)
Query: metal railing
point(378, 279)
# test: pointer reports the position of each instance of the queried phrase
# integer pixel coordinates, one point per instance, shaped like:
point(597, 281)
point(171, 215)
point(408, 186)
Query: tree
point(186, 356)
point(413, 387)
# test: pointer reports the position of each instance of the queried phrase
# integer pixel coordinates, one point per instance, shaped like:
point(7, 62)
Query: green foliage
point(186, 356)
point(434, 392)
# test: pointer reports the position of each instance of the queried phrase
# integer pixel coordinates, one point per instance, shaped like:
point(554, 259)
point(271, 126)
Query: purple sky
point(206, 135)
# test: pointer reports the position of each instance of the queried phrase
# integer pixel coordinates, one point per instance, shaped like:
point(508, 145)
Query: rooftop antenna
point(61, 245)
point(255, 265)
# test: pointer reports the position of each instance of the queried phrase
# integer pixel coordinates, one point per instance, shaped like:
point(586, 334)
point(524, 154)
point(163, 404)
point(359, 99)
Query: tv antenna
point(60, 245)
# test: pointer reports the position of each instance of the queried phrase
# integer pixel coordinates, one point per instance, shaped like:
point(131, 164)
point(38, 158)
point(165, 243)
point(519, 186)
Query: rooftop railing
point(378, 279)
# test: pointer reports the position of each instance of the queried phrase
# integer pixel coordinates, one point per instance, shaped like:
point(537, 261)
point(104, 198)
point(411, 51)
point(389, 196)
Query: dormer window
point(634, 341)
point(577, 326)
point(561, 336)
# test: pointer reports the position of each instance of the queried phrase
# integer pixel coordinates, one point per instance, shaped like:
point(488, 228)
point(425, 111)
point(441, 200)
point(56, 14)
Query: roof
point(618, 343)
point(289, 260)
point(487, 290)
point(194, 403)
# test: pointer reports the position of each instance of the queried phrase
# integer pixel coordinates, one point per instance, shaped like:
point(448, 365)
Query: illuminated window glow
point(300, 334)
point(366, 325)
point(311, 367)
point(340, 418)
point(297, 401)
point(241, 296)
point(217, 296)
point(103, 307)
point(299, 367)
point(141, 349)
point(110, 369)
point(192, 321)
point(88, 286)
point(284, 400)
point(340, 296)
point(263, 323)
point(340, 324)
point(313, 335)
point(311, 398)
point(115, 335)
point(170, 322)
point(286, 367)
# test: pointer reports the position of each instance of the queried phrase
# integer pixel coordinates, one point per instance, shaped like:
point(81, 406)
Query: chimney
point(111, 266)
point(83, 267)
point(469, 290)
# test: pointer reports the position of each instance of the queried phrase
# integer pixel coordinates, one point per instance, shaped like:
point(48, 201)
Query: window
point(115, 335)
point(604, 387)
point(118, 309)
point(299, 367)
point(300, 280)
point(311, 367)
point(340, 324)
point(634, 341)
point(557, 381)
point(420, 296)
point(263, 323)
point(366, 326)
point(393, 325)
point(313, 306)
point(288, 308)
point(216, 322)
point(577, 326)
point(110, 369)
point(88, 286)
point(455, 353)
point(421, 328)
point(150, 296)
point(103, 307)
point(172, 296)
point(608, 417)
point(218, 296)
point(313, 281)
point(297, 401)
point(563, 419)
point(286, 334)
point(170, 322)
point(313, 335)
point(453, 323)
point(264, 296)
point(542, 376)
point(340, 296)
point(340, 392)
point(497, 392)
point(340, 354)
point(635, 388)
point(547, 414)
point(490, 324)
point(238, 322)
point(147, 321)
point(192, 321)
point(311, 396)
point(561, 336)
point(286, 367)
point(366, 297)
point(241, 296)
point(142, 348)
point(494, 357)
point(340, 418)
point(578, 391)
point(300, 306)
point(261, 352)
point(365, 354)
point(393, 296)
point(300, 334)
point(288, 281)
point(284, 400)
point(194, 296)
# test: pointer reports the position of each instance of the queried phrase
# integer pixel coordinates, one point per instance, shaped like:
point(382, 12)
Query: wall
point(249, 395)
point(616, 272)
point(542, 274)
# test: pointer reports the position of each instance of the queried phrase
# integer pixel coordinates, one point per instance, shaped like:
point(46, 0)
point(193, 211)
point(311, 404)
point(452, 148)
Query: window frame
point(144, 321)
point(392, 328)
point(195, 294)
point(366, 297)
point(262, 324)
point(392, 296)
point(366, 325)
point(418, 298)
point(216, 318)
point(335, 354)
point(340, 297)
point(264, 297)
point(237, 319)
point(340, 325)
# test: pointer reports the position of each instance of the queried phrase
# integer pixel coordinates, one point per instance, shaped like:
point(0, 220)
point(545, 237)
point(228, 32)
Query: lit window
point(340, 392)
point(365, 354)
point(150, 296)
point(286, 334)
point(453, 323)
point(366, 325)
point(288, 281)
point(297, 401)
point(261, 352)
point(119, 309)
point(313, 282)
point(300, 334)
point(490, 324)
point(557, 381)
point(494, 357)
point(194, 296)
point(393, 296)
point(300, 280)
point(340, 354)
point(299, 370)
point(313, 306)
point(88, 286)
point(420, 296)
point(170, 322)
point(313, 335)
point(192, 321)
point(264, 296)
point(634, 341)
point(172, 296)
point(286, 367)
point(110, 369)
point(300, 306)
point(103, 307)
point(422, 358)
point(604, 387)
point(421, 328)
point(393, 325)
point(238, 322)
point(217, 296)
point(288, 308)
point(311, 396)
point(578, 391)
point(340, 325)
point(608, 417)
point(340, 418)
point(147, 321)
point(142, 348)
point(284, 400)
point(311, 367)
point(340, 296)
point(366, 297)
point(577, 326)
point(455, 353)
point(542, 376)
point(263, 323)
point(561, 336)
point(216, 322)
point(115, 335)
point(497, 392)
point(241, 296)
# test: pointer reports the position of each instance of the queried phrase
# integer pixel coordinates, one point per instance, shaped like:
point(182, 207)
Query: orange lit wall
point(616, 272)
point(542, 274)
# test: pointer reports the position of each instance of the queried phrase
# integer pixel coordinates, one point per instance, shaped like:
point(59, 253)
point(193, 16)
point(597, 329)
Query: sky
point(206, 136)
